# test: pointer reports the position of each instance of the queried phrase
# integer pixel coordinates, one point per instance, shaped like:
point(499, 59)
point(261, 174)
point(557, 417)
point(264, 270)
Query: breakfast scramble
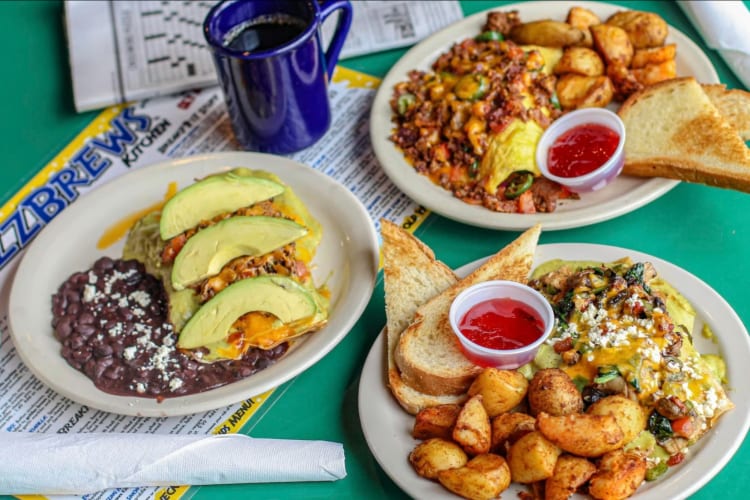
point(472, 122)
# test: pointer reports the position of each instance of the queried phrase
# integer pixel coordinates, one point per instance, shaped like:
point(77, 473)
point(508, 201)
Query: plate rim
point(681, 482)
point(423, 191)
point(359, 280)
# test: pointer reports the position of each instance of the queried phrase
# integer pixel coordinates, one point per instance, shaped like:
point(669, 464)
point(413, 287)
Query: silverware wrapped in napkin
point(723, 26)
point(84, 463)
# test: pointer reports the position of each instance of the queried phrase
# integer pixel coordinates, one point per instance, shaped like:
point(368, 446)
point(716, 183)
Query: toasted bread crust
point(733, 104)
point(675, 131)
point(412, 275)
point(427, 354)
point(414, 401)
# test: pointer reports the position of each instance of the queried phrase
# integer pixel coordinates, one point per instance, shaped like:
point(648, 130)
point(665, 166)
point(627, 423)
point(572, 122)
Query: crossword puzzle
point(170, 39)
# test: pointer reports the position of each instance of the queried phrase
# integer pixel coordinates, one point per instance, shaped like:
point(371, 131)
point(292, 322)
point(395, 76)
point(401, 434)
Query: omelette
point(621, 329)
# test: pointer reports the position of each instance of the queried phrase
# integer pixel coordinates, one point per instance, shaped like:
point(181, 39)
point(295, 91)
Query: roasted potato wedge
point(430, 457)
point(581, 61)
point(623, 81)
point(483, 477)
point(578, 91)
point(654, 73)
point(435, 421)
point(501, 390)
point(644, 29)
point(547, 33)
point(570, 473)
point(618, 476)
point(601, 92)
point(508, 427)
point(472, 429)
point(532, 458)
point(580, 433)
point(582, 18)
point(552, 391)
point(629, 414)
point(653, 55)
point(613, 44)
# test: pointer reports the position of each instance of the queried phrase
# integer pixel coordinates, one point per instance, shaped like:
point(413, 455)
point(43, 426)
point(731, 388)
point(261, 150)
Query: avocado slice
point(214, 195)
point(211, 248)
point(278, 295)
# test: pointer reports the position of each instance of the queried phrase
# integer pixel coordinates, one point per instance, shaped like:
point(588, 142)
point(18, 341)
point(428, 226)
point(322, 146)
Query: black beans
point(112, 323)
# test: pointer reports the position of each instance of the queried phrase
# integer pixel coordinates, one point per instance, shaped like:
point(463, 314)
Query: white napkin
point(724, 27)
point(34, 463)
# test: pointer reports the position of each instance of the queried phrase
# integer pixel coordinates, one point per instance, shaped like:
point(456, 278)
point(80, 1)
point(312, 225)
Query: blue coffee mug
point(274, 70)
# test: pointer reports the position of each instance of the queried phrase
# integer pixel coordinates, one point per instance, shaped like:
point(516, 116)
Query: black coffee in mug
point(264, 33)
point(274, 68)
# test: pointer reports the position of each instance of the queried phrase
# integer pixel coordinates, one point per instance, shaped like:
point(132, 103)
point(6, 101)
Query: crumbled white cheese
point(634, 301)
point(89, 293)
point(143, 340)
point(651, 352)
point(116, 330)
point(175, 384)
point(141, 298)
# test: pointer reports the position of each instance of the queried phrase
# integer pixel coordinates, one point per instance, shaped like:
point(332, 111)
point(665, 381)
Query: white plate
point(347, 260)
point(622, 196)
point(387, 427)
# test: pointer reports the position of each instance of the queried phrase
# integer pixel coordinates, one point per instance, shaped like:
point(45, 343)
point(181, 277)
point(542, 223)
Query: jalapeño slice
point(518, 183)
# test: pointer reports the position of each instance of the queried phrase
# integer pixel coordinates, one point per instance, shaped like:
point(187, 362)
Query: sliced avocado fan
point(212, 248)
point(278, 295)
point(212, 196)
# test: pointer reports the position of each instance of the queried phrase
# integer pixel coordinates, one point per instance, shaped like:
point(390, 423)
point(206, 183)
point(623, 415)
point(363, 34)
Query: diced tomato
point(565, 193)
point(683, 427)
point(675, 459)
point(526, 203)
point(441, 153)
point(301, 269)
point(172, 248)
point(457, 174)
point(563, 345)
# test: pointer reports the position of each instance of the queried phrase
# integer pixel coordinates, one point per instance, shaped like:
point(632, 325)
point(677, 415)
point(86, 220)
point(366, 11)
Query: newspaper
point(125, 51)
point(185, 124)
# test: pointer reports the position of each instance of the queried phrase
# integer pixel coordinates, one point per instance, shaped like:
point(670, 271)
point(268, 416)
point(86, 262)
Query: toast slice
point(427, 353)
point(734, 106)
point(412, 275)
point(675, 131)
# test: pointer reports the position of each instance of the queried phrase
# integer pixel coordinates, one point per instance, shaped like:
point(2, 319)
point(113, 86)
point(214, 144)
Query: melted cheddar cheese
point(617, 319)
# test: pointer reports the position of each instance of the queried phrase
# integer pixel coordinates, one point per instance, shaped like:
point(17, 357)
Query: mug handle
point(339, 35)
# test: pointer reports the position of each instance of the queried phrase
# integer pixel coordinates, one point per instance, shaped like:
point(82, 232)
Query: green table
point(695, 227)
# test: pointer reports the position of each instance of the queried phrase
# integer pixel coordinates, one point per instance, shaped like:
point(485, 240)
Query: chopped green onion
point(474, 168)
point(555, 101)
point(489, 36)
point(657, 470)
point(606, 373)
point(404, 102)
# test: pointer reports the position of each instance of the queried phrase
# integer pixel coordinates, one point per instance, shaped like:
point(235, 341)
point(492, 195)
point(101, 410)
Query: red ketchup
point(502, 324)
point(581, 150)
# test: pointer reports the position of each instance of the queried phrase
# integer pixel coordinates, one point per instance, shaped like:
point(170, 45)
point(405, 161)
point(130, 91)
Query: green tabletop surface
point(701, 229)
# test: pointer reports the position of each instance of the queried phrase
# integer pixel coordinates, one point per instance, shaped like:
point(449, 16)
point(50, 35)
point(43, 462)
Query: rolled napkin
point(723, 26)
point(83, 463)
